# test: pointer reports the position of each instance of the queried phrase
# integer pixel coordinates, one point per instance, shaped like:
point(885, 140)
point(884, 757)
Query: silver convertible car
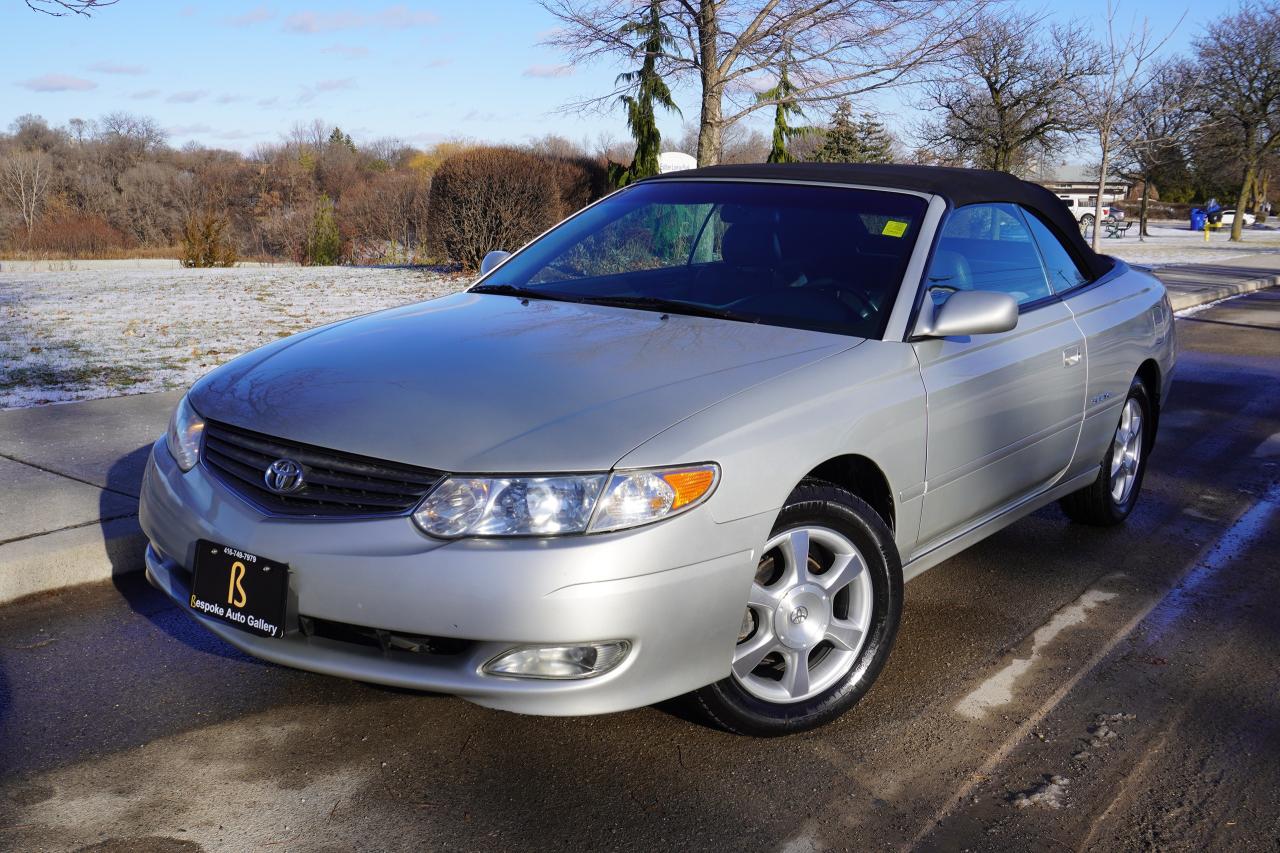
point(692, 440)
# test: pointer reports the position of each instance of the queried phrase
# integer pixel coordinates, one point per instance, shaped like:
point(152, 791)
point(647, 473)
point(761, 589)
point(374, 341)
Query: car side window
point(1064, 272)
point(988, 247)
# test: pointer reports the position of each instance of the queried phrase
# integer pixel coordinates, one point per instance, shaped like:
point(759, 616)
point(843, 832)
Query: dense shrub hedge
point(500, 198)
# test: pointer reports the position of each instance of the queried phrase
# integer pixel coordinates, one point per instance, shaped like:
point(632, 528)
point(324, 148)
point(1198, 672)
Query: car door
point(1004, 410)
point(1124, 318)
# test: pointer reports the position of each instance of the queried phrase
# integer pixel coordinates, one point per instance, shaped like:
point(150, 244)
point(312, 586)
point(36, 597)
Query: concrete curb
point(101, 550)
point(78, 555)
point(1187, 297)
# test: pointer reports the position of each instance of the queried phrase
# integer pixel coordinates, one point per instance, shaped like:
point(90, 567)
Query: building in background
point(1081, 183)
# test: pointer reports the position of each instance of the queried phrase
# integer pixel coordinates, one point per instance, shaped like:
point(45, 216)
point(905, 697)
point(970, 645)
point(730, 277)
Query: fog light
point(559, 661)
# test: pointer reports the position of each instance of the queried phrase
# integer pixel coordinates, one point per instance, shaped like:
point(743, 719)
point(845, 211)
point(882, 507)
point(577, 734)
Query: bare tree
point(1126, 61)
point(1244, 52)
point(124, 141)
point(61, 8)
point(24, 181)
point(1011, 89)
point(1154, 133)
point(732, 48)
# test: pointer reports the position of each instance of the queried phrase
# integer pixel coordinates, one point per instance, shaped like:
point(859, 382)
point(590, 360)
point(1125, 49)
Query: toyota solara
point(690, 441)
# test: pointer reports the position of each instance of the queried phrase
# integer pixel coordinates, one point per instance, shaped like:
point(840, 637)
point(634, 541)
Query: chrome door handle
point(1071, 356)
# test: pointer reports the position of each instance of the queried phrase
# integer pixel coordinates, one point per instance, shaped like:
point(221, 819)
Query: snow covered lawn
point(84, 334)
point(1171, 244)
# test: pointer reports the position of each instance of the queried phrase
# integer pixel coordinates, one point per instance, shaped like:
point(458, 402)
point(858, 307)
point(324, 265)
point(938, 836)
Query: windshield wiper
point(524, 293)
point(668, 306)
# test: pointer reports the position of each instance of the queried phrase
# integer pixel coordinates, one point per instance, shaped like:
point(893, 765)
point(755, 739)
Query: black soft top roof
point(959, 186)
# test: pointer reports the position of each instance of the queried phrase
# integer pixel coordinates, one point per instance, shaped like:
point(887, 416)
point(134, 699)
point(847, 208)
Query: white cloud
point(188, 97)
point(309, 93)
point(398, 17)
point(117, 68)
point(254, 16)
point(335, 85)
point(58, 83)
point(547, 71)
point(231, 99)
point(145, 94)
point(188, 129)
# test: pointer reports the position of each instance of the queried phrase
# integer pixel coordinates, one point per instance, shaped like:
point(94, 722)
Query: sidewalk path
point(70, 474)
point(69, 503)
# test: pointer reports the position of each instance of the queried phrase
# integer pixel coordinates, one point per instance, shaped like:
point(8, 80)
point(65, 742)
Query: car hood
point(487, 383)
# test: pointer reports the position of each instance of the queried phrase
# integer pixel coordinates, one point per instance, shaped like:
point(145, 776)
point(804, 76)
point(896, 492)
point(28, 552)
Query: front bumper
point(675, 590)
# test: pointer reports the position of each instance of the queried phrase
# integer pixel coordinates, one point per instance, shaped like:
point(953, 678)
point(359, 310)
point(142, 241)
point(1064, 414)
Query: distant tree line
point(112, 187)
point(999, 88)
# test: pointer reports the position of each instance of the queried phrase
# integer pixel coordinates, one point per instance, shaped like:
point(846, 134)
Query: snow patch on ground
point(1103, 730)
point(998, 689)
point(85, 334)
point(1051, 793)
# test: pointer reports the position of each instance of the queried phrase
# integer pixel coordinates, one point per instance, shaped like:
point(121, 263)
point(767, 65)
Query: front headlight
point(183, 438)
point(559, 504)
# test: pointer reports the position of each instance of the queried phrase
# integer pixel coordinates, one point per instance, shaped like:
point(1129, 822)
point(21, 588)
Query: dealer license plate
point(244, 590)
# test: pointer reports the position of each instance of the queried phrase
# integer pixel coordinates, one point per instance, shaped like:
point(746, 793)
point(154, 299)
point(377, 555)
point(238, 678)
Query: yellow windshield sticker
point(894, 228)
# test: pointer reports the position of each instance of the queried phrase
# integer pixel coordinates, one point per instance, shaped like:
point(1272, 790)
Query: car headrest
point(749, 245)
point(950, 269)
point(744, 213)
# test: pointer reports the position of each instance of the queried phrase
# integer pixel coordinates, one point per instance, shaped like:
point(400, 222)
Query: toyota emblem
point(800, 614)
point(284, 476)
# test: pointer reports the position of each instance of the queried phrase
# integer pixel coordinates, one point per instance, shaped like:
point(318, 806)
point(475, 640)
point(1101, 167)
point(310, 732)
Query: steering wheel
point(868, 309)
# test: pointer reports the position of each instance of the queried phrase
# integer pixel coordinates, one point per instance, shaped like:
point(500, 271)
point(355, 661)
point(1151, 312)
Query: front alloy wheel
point(819, 619)
point(807, 617)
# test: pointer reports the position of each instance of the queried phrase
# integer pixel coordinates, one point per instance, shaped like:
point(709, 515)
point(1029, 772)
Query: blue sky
point(233, 74)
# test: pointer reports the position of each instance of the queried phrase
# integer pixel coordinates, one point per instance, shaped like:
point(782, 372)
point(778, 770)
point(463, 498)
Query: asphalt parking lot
point(1054, 687)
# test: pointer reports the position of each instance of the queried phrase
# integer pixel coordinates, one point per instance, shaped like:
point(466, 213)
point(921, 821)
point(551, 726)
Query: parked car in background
point(1084, 211)
point(693, 440)
point(1229, 217)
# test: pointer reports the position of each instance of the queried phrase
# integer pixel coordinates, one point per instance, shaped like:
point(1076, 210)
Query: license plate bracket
point(244, 590)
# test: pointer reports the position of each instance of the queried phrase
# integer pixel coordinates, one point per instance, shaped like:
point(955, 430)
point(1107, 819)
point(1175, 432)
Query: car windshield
point(829, 259)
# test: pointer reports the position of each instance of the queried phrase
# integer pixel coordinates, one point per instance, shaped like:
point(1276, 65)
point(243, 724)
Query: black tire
point(1086, 223)
point(816, 503)
point(1095, 504)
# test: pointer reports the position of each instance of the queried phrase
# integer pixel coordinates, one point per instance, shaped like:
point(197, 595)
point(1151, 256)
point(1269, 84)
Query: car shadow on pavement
point(127, 569)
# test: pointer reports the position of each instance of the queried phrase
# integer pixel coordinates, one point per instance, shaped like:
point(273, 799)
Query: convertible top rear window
point(829, 259)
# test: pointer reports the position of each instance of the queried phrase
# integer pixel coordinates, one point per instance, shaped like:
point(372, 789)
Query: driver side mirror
point(967, 312)
point(492, 259)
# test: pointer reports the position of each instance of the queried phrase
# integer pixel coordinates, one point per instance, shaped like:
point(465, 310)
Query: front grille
point(337, 484)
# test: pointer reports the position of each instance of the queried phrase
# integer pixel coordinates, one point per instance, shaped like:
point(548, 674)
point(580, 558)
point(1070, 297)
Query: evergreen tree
point(340, 139)
point(650, 89)
point(324, 245)
point(784, 95)
point(849, 141)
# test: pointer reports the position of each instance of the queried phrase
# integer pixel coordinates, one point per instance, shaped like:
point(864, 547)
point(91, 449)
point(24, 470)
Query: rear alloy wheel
point(1086, 224)
point(1111, 497)
point(820, 617)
